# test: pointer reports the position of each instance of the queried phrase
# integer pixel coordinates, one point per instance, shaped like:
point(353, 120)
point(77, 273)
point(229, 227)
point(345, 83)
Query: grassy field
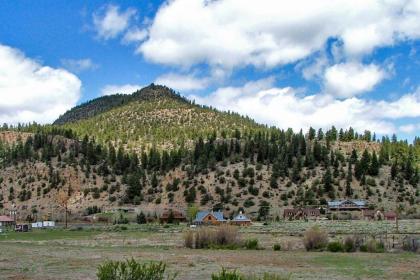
point(75, 254)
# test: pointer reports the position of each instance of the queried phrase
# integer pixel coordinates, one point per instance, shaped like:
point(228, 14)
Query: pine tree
point(349, 179)
point(374, 165)
point(327, 180)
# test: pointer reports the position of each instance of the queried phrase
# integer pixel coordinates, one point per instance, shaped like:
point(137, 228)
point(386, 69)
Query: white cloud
point(109, 22)
point(285, 107)
point(410, 128)
point(30, 91)
point(267, 33)
point(182, 82)
point(350, 79)
point(122, 89)
point(134, 34)
point(79, 65)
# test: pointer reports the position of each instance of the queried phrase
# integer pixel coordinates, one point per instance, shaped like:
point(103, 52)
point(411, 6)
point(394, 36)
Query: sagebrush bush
point(251, 244)
point(235, 275)
point(335, 246)
point(315, 239)
point(132, 270)
point(276, 247)
point(373, 246)
point(227, 275)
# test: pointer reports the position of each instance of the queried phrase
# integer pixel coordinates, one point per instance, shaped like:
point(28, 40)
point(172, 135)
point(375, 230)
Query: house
point(172, 216)
point(240, 220)
point(301, 213)
point(390, 216)
point(209, 218)
point(347, 205)
point(6, 221)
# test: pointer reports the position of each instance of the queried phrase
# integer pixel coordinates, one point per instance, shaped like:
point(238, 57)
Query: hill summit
point(109, 102)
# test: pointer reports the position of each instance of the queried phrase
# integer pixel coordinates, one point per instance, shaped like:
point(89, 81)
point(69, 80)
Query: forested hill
point(106, 103)
point(153, 116)
point(155, 149)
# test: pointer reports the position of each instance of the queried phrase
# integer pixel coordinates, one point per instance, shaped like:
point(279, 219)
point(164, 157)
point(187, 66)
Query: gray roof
point(202, 214)
point(337, 203)
point(241, 218)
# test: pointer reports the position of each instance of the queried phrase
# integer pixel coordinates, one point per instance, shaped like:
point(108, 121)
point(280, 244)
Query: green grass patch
point(355, 265)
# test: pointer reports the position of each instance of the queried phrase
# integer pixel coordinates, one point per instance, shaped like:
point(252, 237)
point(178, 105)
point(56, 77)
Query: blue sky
point(334, 63)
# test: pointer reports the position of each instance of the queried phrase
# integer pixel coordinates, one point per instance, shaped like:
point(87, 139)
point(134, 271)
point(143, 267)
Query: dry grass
point(206, 237)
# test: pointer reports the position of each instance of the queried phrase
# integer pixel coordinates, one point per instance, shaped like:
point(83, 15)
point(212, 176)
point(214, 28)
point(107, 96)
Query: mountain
point(154, 115)
point(155, 149)
point(109, 102)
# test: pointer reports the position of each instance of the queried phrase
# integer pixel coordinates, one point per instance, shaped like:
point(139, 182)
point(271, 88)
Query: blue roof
point(241, 218)
point(336, 203)
point(202, 214)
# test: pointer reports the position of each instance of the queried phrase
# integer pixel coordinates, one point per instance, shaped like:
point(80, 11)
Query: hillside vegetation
point(159, 150)
point(154, 115)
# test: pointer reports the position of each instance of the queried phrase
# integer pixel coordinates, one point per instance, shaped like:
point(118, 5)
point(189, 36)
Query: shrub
point(227, 275)
point(131, 269)
point(315, 239)
point(335, 247)
point(276, 247)
point(373, 246)
point(251, 244)
point(225, 236)
point(349, 244)
point(234, 275)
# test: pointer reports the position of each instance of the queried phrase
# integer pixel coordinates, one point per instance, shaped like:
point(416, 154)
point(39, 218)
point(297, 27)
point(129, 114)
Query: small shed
point(172, 215)
point(390, 216)
point(241, 220)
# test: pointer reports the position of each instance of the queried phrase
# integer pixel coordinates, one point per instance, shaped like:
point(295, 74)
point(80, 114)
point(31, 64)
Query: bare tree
point(63, 200)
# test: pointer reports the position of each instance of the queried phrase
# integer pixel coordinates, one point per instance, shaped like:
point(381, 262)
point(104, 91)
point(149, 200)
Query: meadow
point(75, 253)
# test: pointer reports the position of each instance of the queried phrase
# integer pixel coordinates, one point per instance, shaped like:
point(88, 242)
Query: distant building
point(240, 220)
point(390, 216)
point(376, 215)
point(301, 213)
point(347, 205)
point(6, 221)
point(209, 218)
point(172, 216)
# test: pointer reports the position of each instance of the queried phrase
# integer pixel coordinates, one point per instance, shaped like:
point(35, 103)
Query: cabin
point(390, 216)
point(172, 216)
point(301, 214)
point(209, 218)
point(347, 205)
point(6, 221)
point(240, 220)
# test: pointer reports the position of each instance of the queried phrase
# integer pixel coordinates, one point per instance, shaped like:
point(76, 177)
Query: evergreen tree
point(349, 179)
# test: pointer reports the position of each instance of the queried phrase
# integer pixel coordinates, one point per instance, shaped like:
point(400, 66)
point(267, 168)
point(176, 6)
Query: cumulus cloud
point(182, 82)
point(30, 91)
point(109, 21)
point(79, 65)
point(350, 79)
point(134, 35)
point(267, 33)
point(122, 89)
point(286, 107)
